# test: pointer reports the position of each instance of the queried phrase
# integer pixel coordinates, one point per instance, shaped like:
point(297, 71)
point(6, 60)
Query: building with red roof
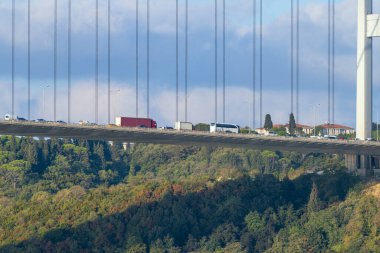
point(335, 129)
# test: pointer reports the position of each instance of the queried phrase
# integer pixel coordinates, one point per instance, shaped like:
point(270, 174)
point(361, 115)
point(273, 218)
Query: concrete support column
point(364, 73)
point(376, 166)
point(363, 165)
point(351, 163)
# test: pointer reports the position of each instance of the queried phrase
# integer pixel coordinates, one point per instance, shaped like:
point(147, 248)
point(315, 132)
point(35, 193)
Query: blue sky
point(276, 68)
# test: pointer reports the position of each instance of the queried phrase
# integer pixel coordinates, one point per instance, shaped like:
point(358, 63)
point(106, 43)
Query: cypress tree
point(268, 122)
point(292, 124)
point(314, 204)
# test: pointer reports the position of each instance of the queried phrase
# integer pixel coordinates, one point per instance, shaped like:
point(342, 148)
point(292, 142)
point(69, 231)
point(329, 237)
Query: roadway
point(158, 136)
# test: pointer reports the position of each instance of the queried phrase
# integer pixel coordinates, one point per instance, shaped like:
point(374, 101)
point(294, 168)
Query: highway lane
point(172, 137)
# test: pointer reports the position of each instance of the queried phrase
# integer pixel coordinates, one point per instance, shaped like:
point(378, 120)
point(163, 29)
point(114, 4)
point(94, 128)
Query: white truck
point(183, 126)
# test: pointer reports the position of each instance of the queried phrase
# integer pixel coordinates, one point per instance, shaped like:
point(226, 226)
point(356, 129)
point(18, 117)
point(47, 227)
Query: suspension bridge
point(359, 155)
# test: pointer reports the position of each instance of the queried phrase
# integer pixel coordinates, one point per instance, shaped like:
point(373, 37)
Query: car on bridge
point(9, 117)
point(166, 128)
point(21, 119)
point(271, 133)
point(330, 137)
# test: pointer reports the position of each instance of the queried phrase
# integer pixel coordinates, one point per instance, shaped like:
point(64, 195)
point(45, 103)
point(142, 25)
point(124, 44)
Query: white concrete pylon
point(367, 28)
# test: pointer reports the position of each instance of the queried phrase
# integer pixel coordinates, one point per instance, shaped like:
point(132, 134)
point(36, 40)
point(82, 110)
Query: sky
point(239, 60)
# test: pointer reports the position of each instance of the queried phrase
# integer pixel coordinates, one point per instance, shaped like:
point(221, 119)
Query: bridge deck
point(304, 145)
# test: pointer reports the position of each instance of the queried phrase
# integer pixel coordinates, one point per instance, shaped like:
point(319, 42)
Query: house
point(261, 131)
point(301, 129)
point(335, 129)
point(304, 129)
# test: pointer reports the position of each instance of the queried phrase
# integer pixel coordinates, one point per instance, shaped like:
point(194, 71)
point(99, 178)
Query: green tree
point(255, 223)
point(137, 248)
point(268, 124)
point(202, 127)
point(99, 155)
point(6, 157)
point(270, 160)
point(15, 171)
point(285, 164)
point(292, 124)
point(106, 176)
point(164, 246)
point(314, 204)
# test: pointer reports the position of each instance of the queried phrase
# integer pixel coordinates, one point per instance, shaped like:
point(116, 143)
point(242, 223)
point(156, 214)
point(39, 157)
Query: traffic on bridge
point(183, 137)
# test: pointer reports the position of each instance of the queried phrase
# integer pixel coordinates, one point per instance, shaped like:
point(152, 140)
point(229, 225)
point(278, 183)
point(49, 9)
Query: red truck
point(135, 122)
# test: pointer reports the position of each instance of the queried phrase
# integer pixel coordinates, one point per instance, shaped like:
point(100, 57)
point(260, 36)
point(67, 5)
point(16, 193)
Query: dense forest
point(85, 196)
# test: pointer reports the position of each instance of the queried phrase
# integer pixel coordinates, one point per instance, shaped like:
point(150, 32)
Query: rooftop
point(337, 126)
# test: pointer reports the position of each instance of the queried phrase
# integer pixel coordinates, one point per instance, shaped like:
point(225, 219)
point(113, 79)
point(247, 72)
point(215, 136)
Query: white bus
point(224, 128)
point(9, 117)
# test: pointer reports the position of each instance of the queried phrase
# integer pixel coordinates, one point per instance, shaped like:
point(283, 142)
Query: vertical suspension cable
point(137, 59)
point(186, 56)
point(13, 58)
point(292, 56)
point(261, 63)
point(29, 60)
point(148, 59)
point(109, 61)
point(97, 62)
point(298, 63)
point(55, 58)
point(333, 61)
point(329, 62)
point(216, 61)
point(177, 61)
point(69, 64)
point(254, 67)
point(224, 60)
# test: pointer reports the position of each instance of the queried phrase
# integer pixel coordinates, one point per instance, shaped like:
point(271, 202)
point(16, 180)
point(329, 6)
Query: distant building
point(301, 129)
point(261, 131)
point(278, 126)
point(335, 129)
point(327, 129)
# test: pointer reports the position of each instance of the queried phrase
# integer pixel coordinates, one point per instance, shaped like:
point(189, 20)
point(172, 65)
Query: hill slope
point(72, 196)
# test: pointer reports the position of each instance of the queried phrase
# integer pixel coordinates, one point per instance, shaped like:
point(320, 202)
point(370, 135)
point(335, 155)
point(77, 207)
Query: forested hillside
point(81, 196)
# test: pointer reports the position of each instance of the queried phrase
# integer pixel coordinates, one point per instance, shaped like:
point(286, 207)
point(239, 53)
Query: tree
point(106, 176)
point(202, 127)
point(15, 171)
point(99, 156)
point(268, 122)
point(314, 204)
point(255, 223)
point(164, 246)
point(270, 159)
point(292, 124)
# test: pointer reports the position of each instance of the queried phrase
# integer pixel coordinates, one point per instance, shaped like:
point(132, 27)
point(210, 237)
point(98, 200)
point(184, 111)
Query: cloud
point(276, 76)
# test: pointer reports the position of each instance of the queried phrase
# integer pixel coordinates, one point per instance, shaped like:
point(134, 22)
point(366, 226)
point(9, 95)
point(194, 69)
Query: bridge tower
point(368, 27)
